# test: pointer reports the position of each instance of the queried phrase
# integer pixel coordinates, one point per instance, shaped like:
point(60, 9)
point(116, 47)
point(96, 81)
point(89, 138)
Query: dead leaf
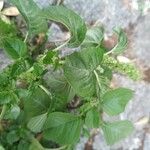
point(142, 121)
point(11, 11)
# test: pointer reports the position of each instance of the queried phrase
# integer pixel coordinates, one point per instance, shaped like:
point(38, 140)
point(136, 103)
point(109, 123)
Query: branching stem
point(61, 46)
point(26, 37)
point(97, 78)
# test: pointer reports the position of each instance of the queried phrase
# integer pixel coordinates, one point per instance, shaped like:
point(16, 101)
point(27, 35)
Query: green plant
point(38, 88)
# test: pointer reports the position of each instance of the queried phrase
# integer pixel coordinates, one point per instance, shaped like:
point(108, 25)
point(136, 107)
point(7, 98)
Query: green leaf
point(18, 67)
point(15, 48)
point(13, 112)
point(79, 70)
point(35, 145)
point(122, 41)
point(6, 97)
point(37, 102)
point(12, 137)
point(94, 36)
point(48, 59)
point(58, 84)
point(71, 20)
point(4, 79)
point(92, 119)
point(32, 14)
point(38, 69)
point(116, 131)
point(36, 123)
point(114, 101)
point(63, 128)
point(1, 147)
point(23, 145)
point(6, 31)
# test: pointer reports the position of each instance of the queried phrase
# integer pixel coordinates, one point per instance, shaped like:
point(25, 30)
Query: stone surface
point(4, 60)
point(141, 42)
point(147, 142)
point(111, 13)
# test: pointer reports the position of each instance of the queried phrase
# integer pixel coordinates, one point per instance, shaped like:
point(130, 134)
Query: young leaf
point(71, 20)
point(94, 37)
point(122, 41)
point(18, 67)
point(32, 14)
point(79, 70)
point(36, 123)
point(63, 128)
point(38, 69)
point(48, 59)
point(116, 131)
point(92, 119)
point(4, 79)
point(114, 101)
point(6, 97)
point(15, 48)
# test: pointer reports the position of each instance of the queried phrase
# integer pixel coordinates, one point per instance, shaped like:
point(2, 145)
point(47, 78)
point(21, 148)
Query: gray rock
point(141, 43)
point(4, 60)
point(147, 142)
point(81, 144)
point(111, 13)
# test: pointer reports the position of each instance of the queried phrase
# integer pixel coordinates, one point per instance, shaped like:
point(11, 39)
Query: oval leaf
point(92, 119)
point(15, 48)
point(114, 101)
point(32, 14)
point(79, 70)
point(37, 102)
point(116, 131)
point(63, 128)
point(36, 123)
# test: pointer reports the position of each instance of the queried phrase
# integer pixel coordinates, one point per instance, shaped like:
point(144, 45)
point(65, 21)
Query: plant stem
point(45, 90)
point(2, 116)
point(60, 148)
point(36, 143)
point(97, 78)
point(26, 37)
point(61, 46)
point(3, 112)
